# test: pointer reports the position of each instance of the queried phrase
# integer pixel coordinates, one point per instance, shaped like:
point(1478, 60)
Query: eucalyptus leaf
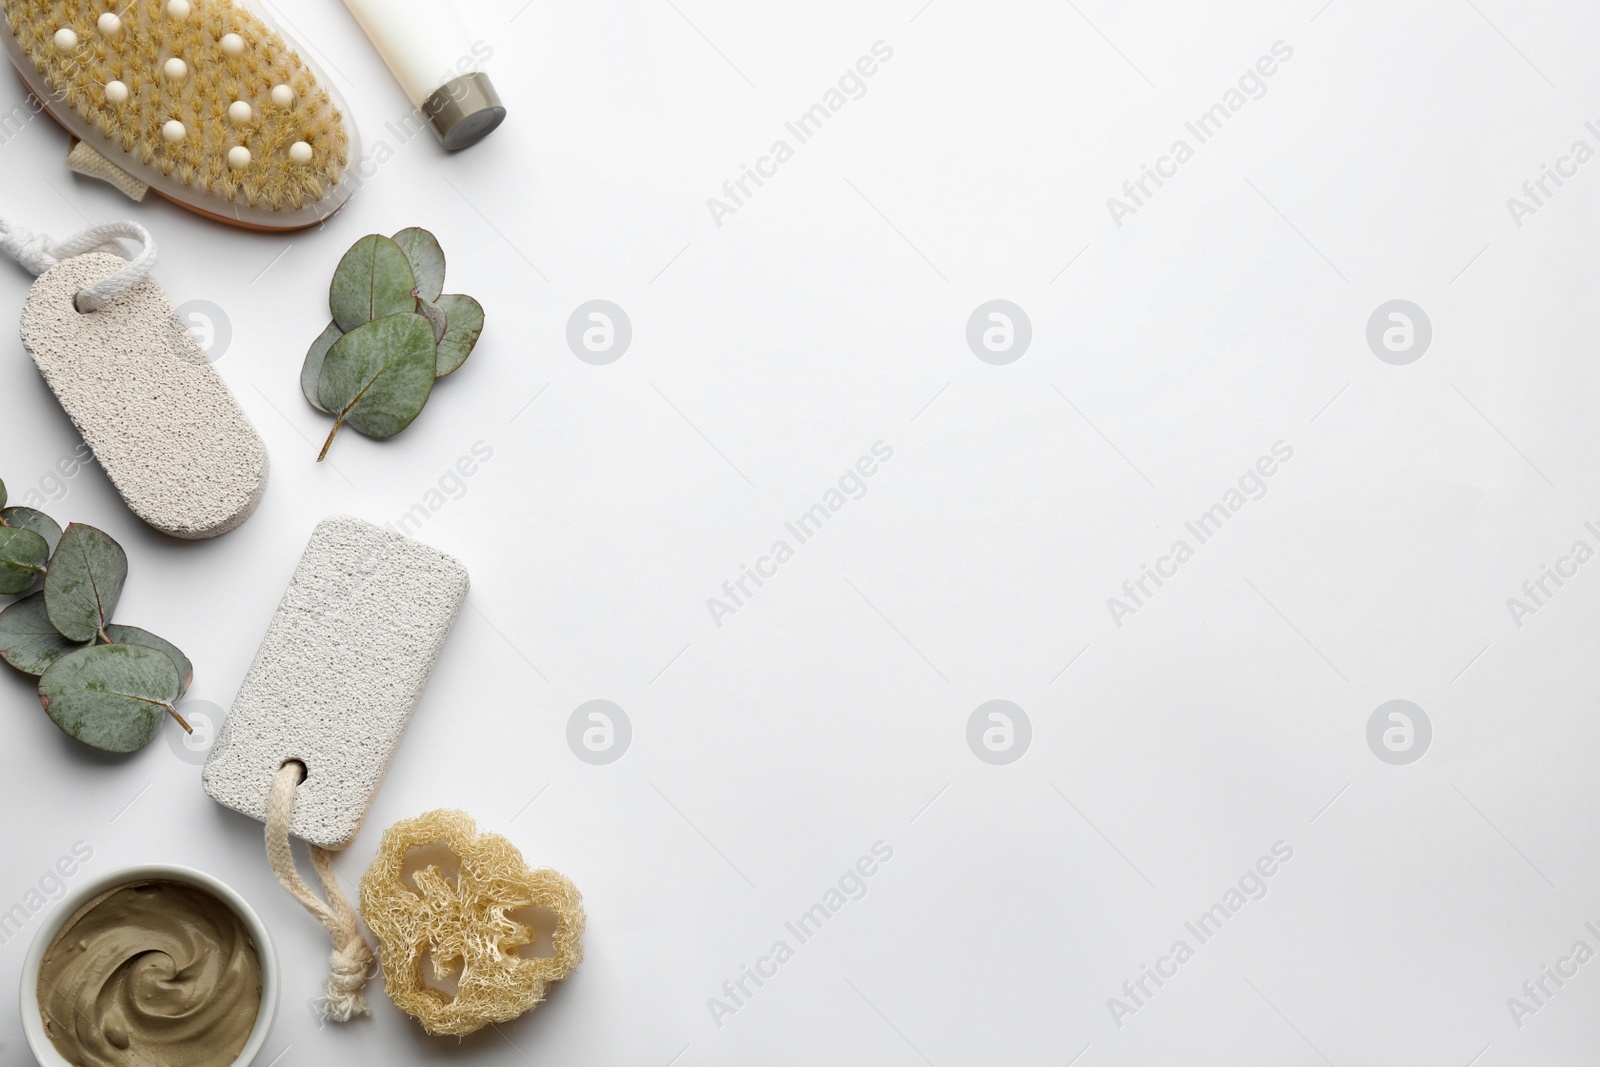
point(27, 640)
point(373, 280)
point(378, 376)
point(23, 555)
point(2, 494)
point(133, 635)
point(436, 318)
point(85, 582)
point(465, 317)
point(311, 373)
point(112, 697)
point(37, 521)
point(426, 258)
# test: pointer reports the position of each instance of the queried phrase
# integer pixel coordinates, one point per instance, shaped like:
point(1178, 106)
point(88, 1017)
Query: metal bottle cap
point(464, 110)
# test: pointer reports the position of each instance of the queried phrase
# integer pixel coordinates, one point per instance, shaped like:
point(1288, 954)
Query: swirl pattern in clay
point(151, 973)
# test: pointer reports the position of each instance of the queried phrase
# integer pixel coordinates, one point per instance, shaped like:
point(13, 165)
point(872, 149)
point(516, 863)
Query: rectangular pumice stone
point(343, 664)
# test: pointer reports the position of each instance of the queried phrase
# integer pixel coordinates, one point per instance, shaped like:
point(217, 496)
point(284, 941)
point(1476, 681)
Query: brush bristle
point(136, 54)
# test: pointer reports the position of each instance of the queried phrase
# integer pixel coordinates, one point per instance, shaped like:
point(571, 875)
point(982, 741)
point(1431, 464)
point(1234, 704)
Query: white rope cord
point(352, 961)
point(39, 253)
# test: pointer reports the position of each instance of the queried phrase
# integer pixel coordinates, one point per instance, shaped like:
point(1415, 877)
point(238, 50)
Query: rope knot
point(351, 963)
point(38, 253)
point(348, 971)
point(35, 251)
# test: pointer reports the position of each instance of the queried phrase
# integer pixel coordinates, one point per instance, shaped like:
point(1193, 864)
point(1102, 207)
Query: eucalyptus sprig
point(394, 331)
point(105, 684)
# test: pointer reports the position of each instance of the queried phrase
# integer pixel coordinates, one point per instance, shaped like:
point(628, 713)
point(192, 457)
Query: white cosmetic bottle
point(426, 47)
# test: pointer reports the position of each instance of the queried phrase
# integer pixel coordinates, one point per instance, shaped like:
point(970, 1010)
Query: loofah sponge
point(465, 925)
point(200, 99)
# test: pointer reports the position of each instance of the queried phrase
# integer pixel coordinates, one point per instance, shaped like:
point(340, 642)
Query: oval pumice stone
point(160, 420)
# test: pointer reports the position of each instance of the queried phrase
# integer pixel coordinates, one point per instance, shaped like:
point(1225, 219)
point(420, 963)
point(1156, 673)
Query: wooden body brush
point(202, 101)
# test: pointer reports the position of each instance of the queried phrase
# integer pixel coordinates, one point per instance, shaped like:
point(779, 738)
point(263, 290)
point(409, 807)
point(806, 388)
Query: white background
point(830, 711)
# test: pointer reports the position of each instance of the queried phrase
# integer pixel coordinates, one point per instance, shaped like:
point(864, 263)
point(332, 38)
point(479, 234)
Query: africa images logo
point(1251, 85)
point(1251, 485)
point(1250, 886)
point(851, 85)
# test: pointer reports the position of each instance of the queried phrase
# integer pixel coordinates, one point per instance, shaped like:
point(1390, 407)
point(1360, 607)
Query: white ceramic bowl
point(33, 1021)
